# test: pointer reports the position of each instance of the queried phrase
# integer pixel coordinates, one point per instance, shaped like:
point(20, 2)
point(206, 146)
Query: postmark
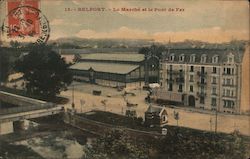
point(25, 23)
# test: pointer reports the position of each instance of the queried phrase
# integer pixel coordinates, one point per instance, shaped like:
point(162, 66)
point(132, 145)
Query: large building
point(213, 79)
point(115, 69)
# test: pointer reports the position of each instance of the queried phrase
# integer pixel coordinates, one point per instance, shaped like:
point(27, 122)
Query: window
point(230, 58)
point(202, 69)
point(170, 87)
point(202, 89)
point(228, 71)
point(191, 78)
point(228, 93)
point(172, 57)
point(213, 102)
point(192, 58)
point(181, 58)
point(202, 80)
point(171, 67)
point(215, 59)
point(203, 58)
point(191, 68)
point(228, 104)
point(164, 118)
point(202, 100)
point(214, 80)
point(191, 88)
point(214, 90)
point(180, 88)
point(214, 69)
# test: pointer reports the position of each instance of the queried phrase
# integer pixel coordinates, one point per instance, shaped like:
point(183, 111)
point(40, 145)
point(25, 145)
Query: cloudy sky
point(213, 21)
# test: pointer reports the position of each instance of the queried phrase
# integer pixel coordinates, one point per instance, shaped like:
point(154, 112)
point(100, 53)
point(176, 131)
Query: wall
point(245, 87)
point(100, 128)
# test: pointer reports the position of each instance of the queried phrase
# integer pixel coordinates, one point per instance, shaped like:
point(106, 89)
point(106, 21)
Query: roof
point(131, 57)
point(105, 67)
point(198, 52)
point(152, 109)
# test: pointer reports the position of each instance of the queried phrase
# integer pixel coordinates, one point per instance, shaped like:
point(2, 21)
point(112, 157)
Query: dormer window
point(215, 59)
point(181, 58)
point(230, 58)
point(192, 58)
point(203, 58)
point(172, 57)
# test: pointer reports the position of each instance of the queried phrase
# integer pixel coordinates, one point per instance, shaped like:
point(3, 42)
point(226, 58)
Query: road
point(115, 103)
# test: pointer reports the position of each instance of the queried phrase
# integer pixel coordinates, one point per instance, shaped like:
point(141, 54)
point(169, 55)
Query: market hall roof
point(116, 68)
point(128, 57)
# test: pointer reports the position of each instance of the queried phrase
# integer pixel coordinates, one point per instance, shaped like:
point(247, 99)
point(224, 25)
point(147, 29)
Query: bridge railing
point(25, 108)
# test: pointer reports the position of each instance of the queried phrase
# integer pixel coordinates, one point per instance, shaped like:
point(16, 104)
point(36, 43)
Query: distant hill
point(80, 43)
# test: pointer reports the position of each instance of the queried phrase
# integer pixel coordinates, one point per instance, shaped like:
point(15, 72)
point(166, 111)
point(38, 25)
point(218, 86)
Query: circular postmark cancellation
point(26, 24)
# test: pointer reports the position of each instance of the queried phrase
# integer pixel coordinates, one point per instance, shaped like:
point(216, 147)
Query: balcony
point(228, 74)
point(201, 83)
point(228, 85)
point(214, 83)
point(201, 94)
point(175, 72)
point(180, 90)
point(180, 80)
point(228, 96)
point(214, 94)
point(202, 74)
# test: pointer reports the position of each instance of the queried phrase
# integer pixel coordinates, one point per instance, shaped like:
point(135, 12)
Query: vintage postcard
point(124, 79)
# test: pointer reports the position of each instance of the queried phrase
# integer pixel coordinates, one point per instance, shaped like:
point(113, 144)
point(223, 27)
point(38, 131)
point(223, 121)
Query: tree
point(115, 144)
point(14, 44)
point(153, 50)
point(45, 72)
point(4, 65)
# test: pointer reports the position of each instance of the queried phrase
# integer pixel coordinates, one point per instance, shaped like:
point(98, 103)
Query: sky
point(211, 21)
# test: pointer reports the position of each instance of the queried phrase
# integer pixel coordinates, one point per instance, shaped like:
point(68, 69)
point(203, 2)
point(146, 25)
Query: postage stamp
point(25, 22)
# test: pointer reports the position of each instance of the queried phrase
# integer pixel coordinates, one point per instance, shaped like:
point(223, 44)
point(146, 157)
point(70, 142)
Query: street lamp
point(73, 97)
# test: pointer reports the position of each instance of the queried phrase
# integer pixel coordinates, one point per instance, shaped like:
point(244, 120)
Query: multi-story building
point(213, 79)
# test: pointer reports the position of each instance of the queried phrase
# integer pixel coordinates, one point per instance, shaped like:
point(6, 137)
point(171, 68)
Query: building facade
point(212, 79)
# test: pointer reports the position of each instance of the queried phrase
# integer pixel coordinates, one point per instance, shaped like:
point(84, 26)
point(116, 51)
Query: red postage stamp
point(24, 21)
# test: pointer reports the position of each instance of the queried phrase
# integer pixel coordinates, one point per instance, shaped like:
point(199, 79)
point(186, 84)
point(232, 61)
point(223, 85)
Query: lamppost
point(73, 97)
